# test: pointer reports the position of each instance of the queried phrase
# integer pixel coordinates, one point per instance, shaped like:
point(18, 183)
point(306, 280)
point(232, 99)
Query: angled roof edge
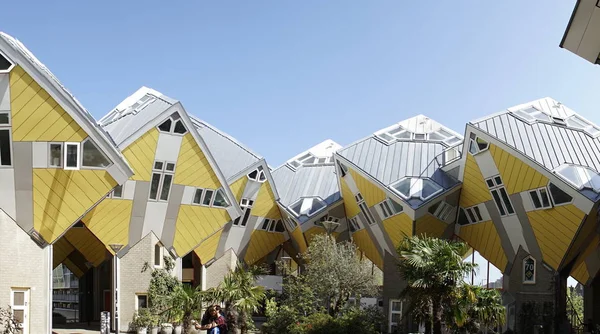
point(196, 120)
point(524, 158)
point(25, 58)
point(568, 27)
point(209, 157)
point(244, 172)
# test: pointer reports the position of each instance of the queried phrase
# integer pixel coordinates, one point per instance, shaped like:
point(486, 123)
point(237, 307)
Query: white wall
point(23, 264)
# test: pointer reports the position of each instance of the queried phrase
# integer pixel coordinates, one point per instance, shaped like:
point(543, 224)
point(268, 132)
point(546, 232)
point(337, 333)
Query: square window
point(170, 166)
point(158, 165)
point(56, 155)
point(154, 185)
point(197, 196)
point(118, 192)
point(490, 183)
point(166, 187)
point(142, 302)
point(4, 118)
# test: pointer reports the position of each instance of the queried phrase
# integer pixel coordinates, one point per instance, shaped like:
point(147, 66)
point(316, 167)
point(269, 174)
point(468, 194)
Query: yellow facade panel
point(580, 273)
point(60, 251)
point(370, 192)
point(430, 226)
point(554, 229)
point(398, 227)
point(196, 223)
point(237, 188)
point(265, 205)
point(109, 221)
point(517, 175)
point(485, 239)
point(61, 197)
point(208, 248)
point(474, 189)
point(193, 169)
point(73, 267)
point(350, 204)
point(368, 247)
point(36, 115)
point(140, 155)
point(299, 238)
point(87, 244)
point(261, 244)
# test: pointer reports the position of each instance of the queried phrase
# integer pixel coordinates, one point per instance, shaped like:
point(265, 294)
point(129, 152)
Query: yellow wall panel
point(580, 273)
point(484, 238)
point(474, 189)
point(196, 223)
point(261, 244)
point(208, 248)
point(350, 204)
point(367, 246)
point(237, 188)
point(299, 238)
point(87, 244)
point(73, 267)
point(36, 116)
point(430, 226)
point(109, 221)
point(517, 175)
point(140, 155)
point(580, 270)
point(370, 192)
point(397, 227)
point(60, 251)
point(265, 205)
point(61, 197)
point(554, 229)
point(193, 169)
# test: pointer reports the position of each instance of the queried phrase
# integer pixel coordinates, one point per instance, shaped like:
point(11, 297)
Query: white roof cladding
point(555, 137)
point(318, 154)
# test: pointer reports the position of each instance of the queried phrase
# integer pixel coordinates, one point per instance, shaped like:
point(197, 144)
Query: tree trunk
point(428, 325)
point(187, 322)
point(437, 317)
point(243, 322)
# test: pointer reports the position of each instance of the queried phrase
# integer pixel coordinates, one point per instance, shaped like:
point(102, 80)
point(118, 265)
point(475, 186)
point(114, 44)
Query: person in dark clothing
point(213, 322)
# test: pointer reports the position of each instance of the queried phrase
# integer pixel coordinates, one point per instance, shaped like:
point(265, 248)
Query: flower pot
point(154, 330)
point(178, 329)
point(142, 330)
point(166, 330)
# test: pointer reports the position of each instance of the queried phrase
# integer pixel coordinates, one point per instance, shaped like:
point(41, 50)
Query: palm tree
point(489, 310)
point(183, 303)
point(433, 268)
point(240, 295)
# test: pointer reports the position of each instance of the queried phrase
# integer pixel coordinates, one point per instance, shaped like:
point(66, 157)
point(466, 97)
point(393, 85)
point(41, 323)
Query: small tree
point(335, 273)
point(8, 323)
point(162, 286)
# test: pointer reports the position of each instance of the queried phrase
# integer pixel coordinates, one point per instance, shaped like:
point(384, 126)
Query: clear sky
point(281, 76)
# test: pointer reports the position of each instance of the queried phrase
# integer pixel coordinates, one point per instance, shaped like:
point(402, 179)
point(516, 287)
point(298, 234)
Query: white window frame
point(7, 127)
point(531, 115)
point(25, 308)
point(62, 154)
point(534, 270)
point(112, 192)
point(476, 213)
point(260, 175)
point(343, 169)
point(81, 166)
point(498, 188)
point(222, 192)
point(212, 197)
point(473, 141)
point(538, 193)
point(552, 197)
point(137, 300)
point(442, 212)
point(79, 155)
point(201, 196)
point(365, 209)
point(354, 224)
point(161, 254)
point(387, 209)
point(162, 172)
point(172, 127)
point(390, 322)
point(10, 61)
point(246, 205)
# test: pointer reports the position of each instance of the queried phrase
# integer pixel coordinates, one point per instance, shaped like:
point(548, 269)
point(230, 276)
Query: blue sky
point(281, 76)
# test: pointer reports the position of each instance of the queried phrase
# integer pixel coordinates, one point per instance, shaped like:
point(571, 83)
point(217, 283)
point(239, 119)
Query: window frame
point(10, 61)
point(10, 142)
point(386, 204)
point(471, 213)
point(443, 211)
point(62, 158)
point(499, 189)
point(174, 121)
point(354, 224)
point(392, 312)
point(246, 205)
point(160, 253)
point(261, 177)
point(473, 141)
point(112, 192)
point(552, 196)
point(201, 196)
point(161, 181)
point(364, 208)
point(538, 193)
point(79, 155)
point(82, 166)
point(214, 197)
point(137, 302)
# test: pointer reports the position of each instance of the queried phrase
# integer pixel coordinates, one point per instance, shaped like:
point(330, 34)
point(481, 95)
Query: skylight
point(581, 124)
point(580, 177)
point(413, 187)
point(309, 159)
point(532, 114)
point(307, 206)
point(399, 133)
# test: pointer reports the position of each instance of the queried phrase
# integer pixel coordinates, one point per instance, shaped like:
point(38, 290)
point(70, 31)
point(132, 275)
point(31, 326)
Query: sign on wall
point(529, 270)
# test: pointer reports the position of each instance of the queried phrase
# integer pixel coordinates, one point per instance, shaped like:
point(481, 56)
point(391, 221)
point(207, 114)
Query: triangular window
point(165, 126)
point(179, 127)
point(92, 156)
point(5, 64)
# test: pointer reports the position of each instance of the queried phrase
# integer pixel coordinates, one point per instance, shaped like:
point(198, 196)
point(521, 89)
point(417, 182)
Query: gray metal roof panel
point(231, 156)
point(307, 181)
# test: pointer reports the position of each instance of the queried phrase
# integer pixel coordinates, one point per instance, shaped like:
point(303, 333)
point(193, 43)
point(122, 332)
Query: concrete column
point(179, 268)
point(203, 280)
point(50, 286)
point(115, 291)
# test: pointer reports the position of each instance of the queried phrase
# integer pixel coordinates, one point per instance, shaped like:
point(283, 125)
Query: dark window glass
point(157, 255)
point(165, 126)
point(279, 227)
point(166, 187)
point(462, 217)
point(253, 174)
point(72, 156)
point(4, 119)
point(559, 196)
point(118, 192)
point(265, 224)
point(507, 201)
point(535, 199)
point(4, 63)
point(490, 183)
point(471, 215)
point(498, 202)
point(207, 197)
point(545, 199)
point(92, 157)
point(154, 186)
point(246, 216)
point(170, 166)
point(477, 213)
point(56, 155)
point(158, 165)
point(179, 128)
point(220, 200)
point(198, 196)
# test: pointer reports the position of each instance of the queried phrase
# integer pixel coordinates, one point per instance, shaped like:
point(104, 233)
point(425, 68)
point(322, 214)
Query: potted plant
point(141, 320)
point(177, 323)
point(166, 328)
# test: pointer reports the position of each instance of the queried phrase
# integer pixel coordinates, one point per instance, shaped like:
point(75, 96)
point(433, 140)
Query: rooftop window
point(580, 177)
point(581, 124)
point(173, 124)
point(532, 114)
point(413, 187)
point(5, 64)
point(399, 133)
point(309, 159)
point(307, 206)
point(257, 175)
